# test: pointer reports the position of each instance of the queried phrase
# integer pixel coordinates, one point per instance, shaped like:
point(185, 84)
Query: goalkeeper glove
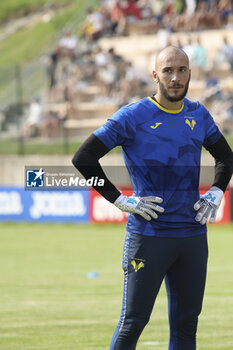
point(208, 205)
point(143, 206)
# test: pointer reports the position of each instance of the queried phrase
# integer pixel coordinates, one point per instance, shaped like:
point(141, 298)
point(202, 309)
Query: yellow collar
point(165, 109)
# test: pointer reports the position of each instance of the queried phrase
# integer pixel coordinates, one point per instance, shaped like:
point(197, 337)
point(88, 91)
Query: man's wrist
point(213, 197)
point(216, 192)
point(119, 199)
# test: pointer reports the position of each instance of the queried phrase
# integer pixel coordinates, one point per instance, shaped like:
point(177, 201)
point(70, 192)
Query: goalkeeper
point(161, 138)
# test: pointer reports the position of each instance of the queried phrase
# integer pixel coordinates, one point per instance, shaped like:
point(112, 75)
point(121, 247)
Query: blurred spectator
point(207, 17)
point(212, 90)
point(93, 25)
point(51, 67)
point(139, 17)
point(199, 59)
point(189, 49)
point(132, 73)
point(226, 53)
point(68, 45)
point(101, 57)
point(108, 28)
point(145, 9)
point(31, 127)
point(118, 18)
point(87, 67)
point(226, 9)
point(169, 9)
point(210, 80)
point(131, 9)
point(107, 76)
point(2, 119)
point(190, 7)
point(51, 127)
point(132, 83)
point(222, 109)
point(157, 7)
point(110, 67)
point(150, 22)
point(113, 57)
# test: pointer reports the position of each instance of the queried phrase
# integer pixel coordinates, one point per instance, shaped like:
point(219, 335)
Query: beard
point(165, 92)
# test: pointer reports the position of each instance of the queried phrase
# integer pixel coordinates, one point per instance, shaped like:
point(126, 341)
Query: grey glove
point(143, 206)
point(208, 205)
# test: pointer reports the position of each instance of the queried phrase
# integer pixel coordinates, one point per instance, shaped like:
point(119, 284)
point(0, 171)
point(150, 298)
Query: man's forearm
point(223, 155)
point(86, 160)
point(223, 173)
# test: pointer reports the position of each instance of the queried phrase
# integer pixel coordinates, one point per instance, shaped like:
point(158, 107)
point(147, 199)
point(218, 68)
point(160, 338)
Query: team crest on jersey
point(191, 123)
point(137, 264)
point(155, 126)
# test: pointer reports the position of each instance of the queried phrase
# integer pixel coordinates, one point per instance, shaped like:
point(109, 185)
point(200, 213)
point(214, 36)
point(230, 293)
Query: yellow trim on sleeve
point(165, 109)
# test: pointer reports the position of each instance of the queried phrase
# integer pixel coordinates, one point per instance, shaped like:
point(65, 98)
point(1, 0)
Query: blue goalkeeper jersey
point(162, 152)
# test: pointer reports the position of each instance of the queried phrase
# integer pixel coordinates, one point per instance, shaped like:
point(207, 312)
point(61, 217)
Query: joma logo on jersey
point(137, 265)
point(155, 126)
point(191, 123)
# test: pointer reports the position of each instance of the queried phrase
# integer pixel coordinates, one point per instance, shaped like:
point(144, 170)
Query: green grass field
point(47, 302)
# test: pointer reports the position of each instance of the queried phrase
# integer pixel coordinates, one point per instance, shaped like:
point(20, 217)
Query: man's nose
point(175, 77)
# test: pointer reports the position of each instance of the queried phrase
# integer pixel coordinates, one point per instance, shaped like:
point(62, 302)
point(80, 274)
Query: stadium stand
point(111, 64)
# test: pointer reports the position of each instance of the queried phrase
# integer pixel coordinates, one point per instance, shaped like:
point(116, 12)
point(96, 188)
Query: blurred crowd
point(116, 17)
point(76, 64)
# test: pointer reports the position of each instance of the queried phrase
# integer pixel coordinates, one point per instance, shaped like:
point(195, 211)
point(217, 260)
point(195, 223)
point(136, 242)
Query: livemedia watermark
point(151, 178)
point(56, 177)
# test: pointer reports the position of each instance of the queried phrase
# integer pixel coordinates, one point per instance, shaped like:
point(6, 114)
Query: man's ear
point(155, 76)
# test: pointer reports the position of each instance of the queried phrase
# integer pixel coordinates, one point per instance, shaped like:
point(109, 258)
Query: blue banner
point(16, 204)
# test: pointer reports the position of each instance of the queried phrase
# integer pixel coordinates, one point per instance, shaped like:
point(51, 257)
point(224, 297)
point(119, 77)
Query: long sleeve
point(86, 160)
point(223, 156)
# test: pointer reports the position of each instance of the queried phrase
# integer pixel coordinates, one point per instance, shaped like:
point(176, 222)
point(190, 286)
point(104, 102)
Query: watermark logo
point(35, 178)
point(57, 178)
